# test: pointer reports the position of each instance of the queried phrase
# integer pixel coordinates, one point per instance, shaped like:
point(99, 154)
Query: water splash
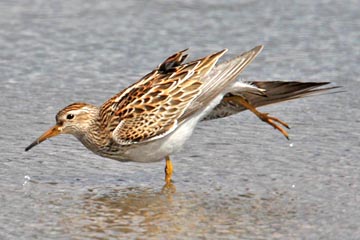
point(27, 179)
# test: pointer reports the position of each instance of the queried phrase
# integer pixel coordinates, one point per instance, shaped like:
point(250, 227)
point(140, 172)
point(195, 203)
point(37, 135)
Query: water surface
point(236, 178)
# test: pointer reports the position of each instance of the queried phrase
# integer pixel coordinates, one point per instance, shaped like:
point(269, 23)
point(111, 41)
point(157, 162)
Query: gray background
point(235, 178)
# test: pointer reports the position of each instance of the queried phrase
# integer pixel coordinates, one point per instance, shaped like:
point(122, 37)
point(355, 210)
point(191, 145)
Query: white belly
point(158, 149)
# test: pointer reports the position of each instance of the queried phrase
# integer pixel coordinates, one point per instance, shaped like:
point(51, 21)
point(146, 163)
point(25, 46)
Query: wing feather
point(219, 80)
point(151, 107)
point(170, 94)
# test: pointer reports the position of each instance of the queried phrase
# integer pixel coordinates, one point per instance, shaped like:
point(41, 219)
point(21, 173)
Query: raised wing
point(169, 95)
point(151, 107)
point(220, 79)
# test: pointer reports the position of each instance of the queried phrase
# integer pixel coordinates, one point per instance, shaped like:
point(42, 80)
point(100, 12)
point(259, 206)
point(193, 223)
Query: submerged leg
point(168, 170)
point(263, 116)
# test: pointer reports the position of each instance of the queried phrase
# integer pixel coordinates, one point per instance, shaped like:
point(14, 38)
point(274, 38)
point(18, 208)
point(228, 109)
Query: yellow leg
point(263, 116)
point(168, 170)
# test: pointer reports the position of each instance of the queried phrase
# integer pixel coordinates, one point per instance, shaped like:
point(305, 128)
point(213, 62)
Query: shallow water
point(236, 178)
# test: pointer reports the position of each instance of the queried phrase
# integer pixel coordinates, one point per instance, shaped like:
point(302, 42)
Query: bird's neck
point(95, 137)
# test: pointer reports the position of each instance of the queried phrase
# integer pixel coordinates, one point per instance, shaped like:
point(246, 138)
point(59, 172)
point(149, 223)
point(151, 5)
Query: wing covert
point(151, 107)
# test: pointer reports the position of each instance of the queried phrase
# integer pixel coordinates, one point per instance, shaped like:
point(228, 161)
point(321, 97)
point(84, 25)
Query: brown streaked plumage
point(152, 118)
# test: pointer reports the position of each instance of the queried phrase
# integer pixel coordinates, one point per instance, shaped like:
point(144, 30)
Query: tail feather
point(278, 91)
point(273, 92)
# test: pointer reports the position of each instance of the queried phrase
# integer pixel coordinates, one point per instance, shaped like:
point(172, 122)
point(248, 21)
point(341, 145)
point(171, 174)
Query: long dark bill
point(52, 132)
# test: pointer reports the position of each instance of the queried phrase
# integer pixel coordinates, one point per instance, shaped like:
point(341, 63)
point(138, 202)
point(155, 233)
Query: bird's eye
point(70, 116)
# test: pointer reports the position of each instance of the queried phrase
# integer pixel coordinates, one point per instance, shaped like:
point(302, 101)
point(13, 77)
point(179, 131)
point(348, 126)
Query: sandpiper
point(153, 118)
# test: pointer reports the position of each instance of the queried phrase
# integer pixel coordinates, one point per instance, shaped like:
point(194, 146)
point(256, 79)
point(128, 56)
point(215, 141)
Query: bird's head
point(74, 119)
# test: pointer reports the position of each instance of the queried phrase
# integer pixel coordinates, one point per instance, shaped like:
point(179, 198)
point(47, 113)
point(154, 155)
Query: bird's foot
point(265, 117)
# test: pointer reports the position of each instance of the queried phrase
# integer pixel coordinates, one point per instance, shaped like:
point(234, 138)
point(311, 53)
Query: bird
point(153, 118)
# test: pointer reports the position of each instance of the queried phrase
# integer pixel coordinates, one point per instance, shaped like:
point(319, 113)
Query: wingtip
point(258, 49)
point(254, 52)
point(184, 50)
point(222, 52)
point(219, 54)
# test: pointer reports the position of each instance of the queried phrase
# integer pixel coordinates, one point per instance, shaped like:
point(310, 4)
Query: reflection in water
point(130, 212)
